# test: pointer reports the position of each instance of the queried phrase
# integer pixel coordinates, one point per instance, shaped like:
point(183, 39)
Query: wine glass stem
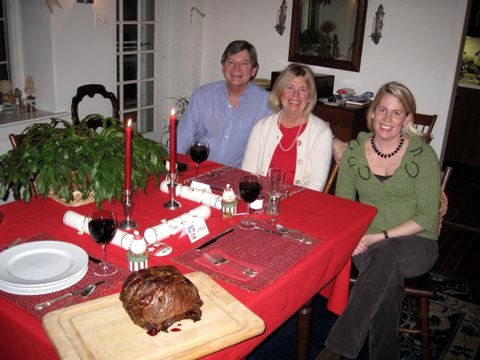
point(104, 265)
point(196, 169)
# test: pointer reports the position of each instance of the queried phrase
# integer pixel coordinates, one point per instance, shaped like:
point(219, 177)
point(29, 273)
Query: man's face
point(238, 69)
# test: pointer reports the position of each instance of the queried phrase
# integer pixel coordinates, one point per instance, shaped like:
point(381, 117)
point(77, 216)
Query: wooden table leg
point(304, 326)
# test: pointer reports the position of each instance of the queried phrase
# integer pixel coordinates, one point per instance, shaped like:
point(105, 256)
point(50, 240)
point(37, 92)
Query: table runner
point(274, 254)
point(28, 302)
point(218, 178)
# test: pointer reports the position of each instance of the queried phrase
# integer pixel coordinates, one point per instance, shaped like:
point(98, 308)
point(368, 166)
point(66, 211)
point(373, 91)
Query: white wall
point(420, 46)
point(64, 50)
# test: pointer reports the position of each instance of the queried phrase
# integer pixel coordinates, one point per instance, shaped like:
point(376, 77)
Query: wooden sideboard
point(345, 121)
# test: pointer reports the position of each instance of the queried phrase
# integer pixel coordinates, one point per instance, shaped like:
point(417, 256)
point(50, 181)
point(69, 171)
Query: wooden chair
point(420, 289)
point(91, 90)
point(16, 140)
point(332, 177)
point(425, 123)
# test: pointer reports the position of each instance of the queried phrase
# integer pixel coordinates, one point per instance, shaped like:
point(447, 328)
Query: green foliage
point(64, 157)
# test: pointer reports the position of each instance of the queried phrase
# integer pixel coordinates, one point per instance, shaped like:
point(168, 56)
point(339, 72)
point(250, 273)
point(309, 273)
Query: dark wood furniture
point(91, 90)
point(345, 121)
point(464, 131)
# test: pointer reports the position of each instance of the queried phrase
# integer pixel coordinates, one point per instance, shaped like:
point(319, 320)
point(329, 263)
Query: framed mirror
point(328, 33)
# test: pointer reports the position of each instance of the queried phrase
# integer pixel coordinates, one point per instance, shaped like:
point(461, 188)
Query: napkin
point(226, 269)
point(199, 196)
point(80, 223)
point(171, 227)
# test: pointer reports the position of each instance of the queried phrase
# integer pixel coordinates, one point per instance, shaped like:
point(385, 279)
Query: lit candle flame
point(172, 112)
point(129, 122)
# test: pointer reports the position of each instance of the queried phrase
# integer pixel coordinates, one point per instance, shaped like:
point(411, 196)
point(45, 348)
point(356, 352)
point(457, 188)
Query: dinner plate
point(41, 264)
point(38, 290)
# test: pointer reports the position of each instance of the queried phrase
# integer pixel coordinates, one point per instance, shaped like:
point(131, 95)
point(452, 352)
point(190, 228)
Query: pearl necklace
point(296, 137)
point(381, 154)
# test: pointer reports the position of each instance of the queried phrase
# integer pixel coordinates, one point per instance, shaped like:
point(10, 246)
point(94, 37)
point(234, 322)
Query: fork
point(218, 260)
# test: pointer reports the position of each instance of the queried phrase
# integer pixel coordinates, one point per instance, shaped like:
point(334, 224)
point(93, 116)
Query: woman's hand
point(366, 241)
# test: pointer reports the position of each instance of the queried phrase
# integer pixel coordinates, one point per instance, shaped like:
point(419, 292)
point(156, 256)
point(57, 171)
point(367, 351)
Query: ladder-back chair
point(424, 123)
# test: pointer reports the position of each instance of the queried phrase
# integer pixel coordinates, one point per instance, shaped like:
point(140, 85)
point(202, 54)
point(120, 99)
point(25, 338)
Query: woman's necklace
point(296, 137)
point(381, 154)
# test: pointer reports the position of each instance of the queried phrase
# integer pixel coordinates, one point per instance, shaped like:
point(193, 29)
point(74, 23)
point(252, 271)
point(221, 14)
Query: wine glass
point(199, 151)
point(275, 185)
point(249, 188)
point(102, 227)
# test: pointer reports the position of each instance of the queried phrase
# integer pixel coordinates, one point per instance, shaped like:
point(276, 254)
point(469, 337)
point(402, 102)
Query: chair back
point(443, 199)
point(424, 123)
point(91, 90)
point(332, 177)
point(16, 140)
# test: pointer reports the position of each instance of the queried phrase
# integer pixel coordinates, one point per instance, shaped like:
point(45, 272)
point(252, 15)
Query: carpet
point(454, 322)
point(454, 325)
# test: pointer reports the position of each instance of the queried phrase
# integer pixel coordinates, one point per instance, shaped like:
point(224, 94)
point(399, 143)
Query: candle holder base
point(128, 225)
point(172, 204)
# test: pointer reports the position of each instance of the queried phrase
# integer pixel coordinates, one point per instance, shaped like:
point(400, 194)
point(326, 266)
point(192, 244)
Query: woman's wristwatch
point(385, 233)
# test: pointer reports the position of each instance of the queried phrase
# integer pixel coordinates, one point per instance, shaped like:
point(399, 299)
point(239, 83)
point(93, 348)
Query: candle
point(128, 155)
point(173, 143)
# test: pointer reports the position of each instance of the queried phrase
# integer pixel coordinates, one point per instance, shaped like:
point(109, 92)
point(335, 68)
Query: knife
point(64, 296)
point(212, 240)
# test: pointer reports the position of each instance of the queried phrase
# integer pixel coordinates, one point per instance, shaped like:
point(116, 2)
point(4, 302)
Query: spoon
point(292, 234)
point(83, 292)
point(283, 229)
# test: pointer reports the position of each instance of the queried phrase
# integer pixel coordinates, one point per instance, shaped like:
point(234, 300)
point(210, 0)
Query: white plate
point(38, 290)
point(41, 263)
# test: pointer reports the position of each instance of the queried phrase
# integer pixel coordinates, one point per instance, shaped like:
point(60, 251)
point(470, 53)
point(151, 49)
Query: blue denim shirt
point(211, 117)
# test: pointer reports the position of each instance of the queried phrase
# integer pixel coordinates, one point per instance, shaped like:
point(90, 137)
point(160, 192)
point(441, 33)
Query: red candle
point(128, 155)
point(173, 143)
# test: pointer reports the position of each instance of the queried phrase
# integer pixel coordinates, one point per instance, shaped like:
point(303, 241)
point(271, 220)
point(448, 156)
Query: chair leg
point(423, 316)
point(304, 325)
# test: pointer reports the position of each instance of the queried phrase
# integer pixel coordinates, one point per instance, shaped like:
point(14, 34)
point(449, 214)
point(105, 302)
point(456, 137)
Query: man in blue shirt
point(224, 112)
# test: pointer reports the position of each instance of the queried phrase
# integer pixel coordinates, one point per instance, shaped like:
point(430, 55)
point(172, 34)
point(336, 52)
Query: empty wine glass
point(275, 185)
point(102, 228)
point(199, 151)
point(249, 188)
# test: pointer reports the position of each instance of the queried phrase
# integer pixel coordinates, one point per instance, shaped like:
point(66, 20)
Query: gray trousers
point(375, 303)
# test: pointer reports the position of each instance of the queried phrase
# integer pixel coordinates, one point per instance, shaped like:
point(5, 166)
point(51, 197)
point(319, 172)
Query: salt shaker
point(137, 254)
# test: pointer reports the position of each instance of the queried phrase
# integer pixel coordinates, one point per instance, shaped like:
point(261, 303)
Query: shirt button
point(297, 182)
point(299, 142)
point(299, 161)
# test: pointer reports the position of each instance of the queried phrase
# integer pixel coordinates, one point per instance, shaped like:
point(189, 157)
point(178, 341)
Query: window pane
point(4, 72)
point(147, 66)
point(146, 94)
point(129, 67)
point(148, 37)
point(3, 43)
point(148, 10)
point(146, 123)
point(130, 10)
point(130, 96)
point(129, 37)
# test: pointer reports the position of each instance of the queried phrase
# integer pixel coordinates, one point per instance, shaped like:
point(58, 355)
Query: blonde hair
point(406, 98)
point(293, 71)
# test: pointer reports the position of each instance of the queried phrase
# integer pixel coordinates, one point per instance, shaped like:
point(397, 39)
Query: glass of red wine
point(102, 227)
point(249, 188)
point(199, 151)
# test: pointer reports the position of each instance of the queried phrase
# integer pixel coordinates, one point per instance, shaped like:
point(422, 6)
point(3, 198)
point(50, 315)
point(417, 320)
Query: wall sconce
point(377, 25)
point(85, 1)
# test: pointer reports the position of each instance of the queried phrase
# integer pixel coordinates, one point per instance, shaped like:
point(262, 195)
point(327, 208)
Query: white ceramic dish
point(42, 266)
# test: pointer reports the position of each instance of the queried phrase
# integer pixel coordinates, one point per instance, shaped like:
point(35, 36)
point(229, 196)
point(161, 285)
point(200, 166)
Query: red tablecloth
point(337, 222)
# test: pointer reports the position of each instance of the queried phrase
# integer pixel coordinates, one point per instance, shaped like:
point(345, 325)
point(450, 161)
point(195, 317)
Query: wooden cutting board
point(101, 328)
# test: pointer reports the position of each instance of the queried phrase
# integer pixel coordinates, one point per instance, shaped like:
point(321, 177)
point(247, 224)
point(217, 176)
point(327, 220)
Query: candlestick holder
point(172, 204)
point(128, 223)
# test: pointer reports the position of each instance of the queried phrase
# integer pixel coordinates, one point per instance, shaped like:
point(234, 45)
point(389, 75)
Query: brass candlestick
point(128, 223)
point(172, 204)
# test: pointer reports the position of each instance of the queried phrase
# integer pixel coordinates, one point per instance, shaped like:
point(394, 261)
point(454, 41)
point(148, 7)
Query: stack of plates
point(41, 267)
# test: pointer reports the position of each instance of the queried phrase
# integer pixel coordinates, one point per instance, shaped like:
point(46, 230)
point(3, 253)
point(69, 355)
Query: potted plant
point(64, 158)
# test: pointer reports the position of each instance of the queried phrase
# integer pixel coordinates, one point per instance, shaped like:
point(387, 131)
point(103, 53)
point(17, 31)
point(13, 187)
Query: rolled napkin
point(80, 223)
point(199, 196)
point(171, 227)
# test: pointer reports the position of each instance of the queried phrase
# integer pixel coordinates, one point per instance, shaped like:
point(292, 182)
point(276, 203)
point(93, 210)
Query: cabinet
point(345, 121)
point(462, 143)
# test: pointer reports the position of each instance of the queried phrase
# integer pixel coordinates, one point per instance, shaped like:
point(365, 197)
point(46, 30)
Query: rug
point(454, 326)
point(454, 322)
